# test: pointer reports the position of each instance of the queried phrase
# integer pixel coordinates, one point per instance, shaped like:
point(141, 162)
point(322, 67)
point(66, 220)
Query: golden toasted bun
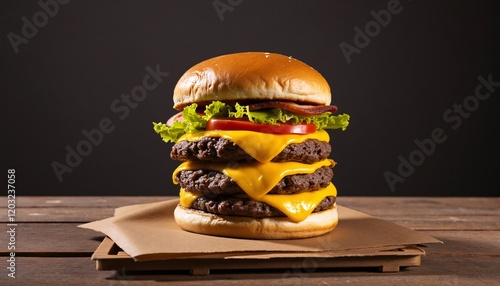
point(251, 76)
point(264, 228)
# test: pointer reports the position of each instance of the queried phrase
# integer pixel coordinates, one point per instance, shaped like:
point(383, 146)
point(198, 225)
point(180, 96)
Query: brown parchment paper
point(149, 232)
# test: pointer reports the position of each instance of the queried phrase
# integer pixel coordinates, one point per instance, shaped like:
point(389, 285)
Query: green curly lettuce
point(194, 122)
point(277, 116)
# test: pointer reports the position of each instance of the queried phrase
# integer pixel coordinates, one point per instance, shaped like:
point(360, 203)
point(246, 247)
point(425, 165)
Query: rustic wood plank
point(437, 222)
point(56, 271)
point(464, 243)
point(414, 213)
point(466, 257)
point(66, 239)
point(423, 205)
point(60, 214)
point(409, 220)
point(433, 271)
point(371, 205)
point(76, 201)
point(54, 239)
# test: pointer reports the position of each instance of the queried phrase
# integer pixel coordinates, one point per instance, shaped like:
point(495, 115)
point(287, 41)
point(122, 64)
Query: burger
point(251, 136)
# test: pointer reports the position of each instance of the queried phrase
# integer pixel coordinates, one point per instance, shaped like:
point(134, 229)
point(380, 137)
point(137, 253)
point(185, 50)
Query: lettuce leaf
point(194, 122)
point(277, 116)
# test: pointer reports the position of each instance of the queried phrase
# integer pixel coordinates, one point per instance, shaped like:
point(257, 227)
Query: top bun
point(251, 76)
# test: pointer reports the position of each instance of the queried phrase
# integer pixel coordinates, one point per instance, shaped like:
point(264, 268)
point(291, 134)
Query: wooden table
point(51, 250)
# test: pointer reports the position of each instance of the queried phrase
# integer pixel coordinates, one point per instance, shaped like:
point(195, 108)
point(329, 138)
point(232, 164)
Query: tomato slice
point(242, 124)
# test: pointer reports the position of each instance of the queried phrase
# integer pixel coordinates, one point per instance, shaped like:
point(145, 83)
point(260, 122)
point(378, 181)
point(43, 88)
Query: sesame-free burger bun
point(251, 76)
point(317, 223)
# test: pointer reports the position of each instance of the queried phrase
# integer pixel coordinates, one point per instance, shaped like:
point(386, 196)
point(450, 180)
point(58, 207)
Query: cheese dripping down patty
point(263, 147)
point(259, 177)
point(254, 178)
point(297, 207)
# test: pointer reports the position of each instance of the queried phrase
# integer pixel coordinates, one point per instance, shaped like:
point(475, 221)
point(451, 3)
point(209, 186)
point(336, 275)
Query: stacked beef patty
point(221, 195)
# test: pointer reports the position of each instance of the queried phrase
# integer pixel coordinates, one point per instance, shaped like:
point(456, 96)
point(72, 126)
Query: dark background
point(396, 89)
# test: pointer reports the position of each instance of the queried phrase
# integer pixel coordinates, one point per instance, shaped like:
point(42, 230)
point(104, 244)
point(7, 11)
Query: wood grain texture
point(55, 239)
point(93, 202)
point(51, 248)
point(465, 243)
point(62, 238)
point(433, 271)
point(59, 214)
point(415, 222)
point(375, 205)
point(414, 213)
point(423, 206)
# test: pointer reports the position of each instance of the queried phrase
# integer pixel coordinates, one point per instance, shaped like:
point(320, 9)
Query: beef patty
point(218, 149)
point(216, 183)
point(224, 205)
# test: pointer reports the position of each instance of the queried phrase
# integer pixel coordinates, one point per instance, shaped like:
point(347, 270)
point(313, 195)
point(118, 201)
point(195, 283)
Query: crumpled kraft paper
point(149, 232)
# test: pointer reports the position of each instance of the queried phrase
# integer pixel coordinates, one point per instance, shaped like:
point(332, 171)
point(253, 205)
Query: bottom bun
point(257, 228)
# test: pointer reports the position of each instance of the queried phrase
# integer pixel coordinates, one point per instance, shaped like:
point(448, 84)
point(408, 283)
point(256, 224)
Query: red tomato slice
point(241, 124)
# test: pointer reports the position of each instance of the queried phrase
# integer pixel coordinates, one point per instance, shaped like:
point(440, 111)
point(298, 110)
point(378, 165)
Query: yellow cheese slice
point(297, 207)
point(186, 198)
point(255, 178)
point(263, 147)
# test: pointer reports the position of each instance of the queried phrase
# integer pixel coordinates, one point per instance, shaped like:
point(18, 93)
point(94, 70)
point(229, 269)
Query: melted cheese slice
point(297, 207)
point(263, 147)
point(187, 198)
point(255, 178)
